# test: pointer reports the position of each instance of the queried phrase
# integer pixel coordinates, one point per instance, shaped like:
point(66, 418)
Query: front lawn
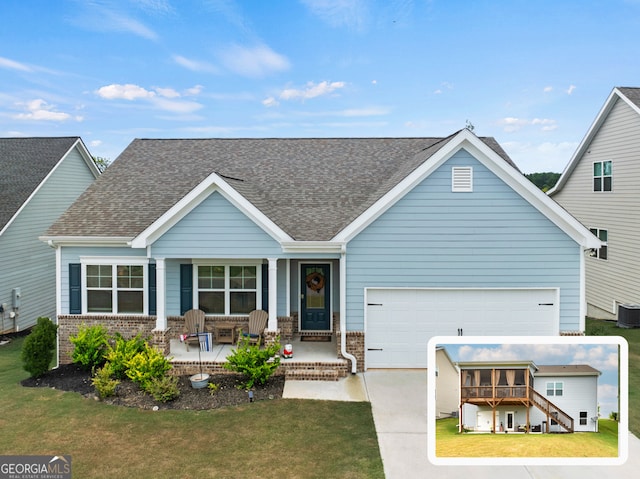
point(281, 438)
point(449, 443)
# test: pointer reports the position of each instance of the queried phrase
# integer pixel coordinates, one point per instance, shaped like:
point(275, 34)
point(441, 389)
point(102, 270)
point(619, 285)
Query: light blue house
point(39, 179)
point(378, 242)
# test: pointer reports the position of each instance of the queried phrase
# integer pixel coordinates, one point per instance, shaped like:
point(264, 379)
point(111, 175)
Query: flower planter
point(199, 381)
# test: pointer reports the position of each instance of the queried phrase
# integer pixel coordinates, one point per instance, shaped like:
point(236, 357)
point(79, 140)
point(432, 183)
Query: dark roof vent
point(629, 316)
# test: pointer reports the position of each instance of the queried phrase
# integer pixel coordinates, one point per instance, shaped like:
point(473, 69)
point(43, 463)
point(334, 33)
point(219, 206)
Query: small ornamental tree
point(39, 347)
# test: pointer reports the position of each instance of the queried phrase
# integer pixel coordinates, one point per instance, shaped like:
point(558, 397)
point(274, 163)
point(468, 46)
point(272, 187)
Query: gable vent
point(461, 179)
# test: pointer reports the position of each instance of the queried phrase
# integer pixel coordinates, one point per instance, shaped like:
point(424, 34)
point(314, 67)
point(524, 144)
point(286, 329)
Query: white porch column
point(273, 295)
point(161, 311)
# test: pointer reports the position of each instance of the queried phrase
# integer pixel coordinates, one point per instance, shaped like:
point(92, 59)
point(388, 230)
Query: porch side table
point(225, 332)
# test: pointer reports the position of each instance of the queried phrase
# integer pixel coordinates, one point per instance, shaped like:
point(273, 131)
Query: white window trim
point(462, 179)
point(115, 261)
point(596, 251)
point(602, 177)
point(554, 388)
point(227, 291)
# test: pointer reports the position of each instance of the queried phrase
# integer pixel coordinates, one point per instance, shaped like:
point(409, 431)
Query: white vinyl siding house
point(613, 138)
point(51, 173)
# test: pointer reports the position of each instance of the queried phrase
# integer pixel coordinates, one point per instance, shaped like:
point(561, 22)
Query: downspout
point(343, 311)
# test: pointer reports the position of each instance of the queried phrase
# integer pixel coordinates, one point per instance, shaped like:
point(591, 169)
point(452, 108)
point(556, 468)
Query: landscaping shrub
point(90, 346)
point(39, 347)
point(257, 365)
point(163, 389)
point(146, 365)
point(122, 352)
point(104, 381)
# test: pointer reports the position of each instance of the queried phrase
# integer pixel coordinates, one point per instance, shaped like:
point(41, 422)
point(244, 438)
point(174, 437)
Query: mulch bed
point(70, 377)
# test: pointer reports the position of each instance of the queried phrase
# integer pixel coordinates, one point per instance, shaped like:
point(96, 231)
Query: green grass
point(283, 438)
point(449, 443)
point(609, 328)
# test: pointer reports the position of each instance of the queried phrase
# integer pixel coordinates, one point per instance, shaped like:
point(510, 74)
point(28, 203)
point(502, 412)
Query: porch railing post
point(161, 310)
point(272, 324)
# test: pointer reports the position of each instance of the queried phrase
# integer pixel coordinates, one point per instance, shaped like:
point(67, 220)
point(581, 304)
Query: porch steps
point(312, 374)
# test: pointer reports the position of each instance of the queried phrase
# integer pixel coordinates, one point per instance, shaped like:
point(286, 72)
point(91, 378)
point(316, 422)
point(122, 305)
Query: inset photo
point(527, 400)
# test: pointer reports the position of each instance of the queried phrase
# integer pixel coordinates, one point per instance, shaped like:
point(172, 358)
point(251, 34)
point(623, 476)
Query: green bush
point(122, 352)
point(257, 365)
point(146, 365)
point(163, 389)
point(39, 347)
point(90, 346)
point(104, 381)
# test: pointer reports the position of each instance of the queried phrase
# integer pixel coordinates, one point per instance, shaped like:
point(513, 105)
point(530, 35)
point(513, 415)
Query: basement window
point(462, 179)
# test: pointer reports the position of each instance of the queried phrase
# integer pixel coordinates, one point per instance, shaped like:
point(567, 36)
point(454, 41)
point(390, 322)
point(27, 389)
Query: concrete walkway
point(399, 405)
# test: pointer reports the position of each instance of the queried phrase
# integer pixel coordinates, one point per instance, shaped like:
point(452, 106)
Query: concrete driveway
point(399, 404)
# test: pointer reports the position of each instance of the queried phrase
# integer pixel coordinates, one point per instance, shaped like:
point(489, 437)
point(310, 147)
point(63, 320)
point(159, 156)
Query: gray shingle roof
point(24, 164)
point(568, 369)
point(633, 94)
point(311, 188)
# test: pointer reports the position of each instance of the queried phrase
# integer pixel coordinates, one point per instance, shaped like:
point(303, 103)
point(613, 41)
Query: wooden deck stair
point(552, 411)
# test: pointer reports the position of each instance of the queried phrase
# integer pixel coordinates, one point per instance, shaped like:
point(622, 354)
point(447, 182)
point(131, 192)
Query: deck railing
point(553, 412)
point(487, 392)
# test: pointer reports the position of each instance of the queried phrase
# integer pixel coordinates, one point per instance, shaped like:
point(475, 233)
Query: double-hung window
point(114, 286)
point(602, 175)
point(602, 235)
point(555, 388)
point(227, 289)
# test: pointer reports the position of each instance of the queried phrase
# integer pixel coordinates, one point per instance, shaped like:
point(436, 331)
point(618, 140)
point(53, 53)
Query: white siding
point(580, 393)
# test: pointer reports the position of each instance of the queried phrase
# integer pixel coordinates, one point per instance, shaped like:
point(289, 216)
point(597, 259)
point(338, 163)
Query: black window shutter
point(75, 292)
point(265, 287)
point(186, 287)
point(152, 289)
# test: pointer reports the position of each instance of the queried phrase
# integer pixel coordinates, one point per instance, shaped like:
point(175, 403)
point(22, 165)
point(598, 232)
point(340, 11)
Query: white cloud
point(124, 92)
point(194, 90)
point(162, 98)
point(312, 90)
point(548, 89)
point(510, 124)
point(40, 110)
point(95, 143)
point(167, 92)
point(13, 65)
point(254, 62)
point(539, 157)
point(571, 89)
point(194, 65)
point(270, 102)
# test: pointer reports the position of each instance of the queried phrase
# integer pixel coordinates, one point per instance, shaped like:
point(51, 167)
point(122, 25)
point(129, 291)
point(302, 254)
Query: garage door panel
point(400, 322)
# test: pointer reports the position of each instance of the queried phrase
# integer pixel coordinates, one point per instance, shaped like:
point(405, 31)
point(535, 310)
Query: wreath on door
point(315, 281)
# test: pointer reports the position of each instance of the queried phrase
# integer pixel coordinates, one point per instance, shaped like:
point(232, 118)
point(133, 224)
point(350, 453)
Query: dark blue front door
point(315, 301)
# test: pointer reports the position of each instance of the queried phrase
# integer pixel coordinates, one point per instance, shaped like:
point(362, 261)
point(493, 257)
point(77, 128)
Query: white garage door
point(400, 322)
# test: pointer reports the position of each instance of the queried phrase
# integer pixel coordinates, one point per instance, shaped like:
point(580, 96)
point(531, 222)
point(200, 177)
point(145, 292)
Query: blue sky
point(531, 74)
point(603, 357)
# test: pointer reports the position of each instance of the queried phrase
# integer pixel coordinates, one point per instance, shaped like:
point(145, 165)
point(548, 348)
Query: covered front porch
point(312, 359)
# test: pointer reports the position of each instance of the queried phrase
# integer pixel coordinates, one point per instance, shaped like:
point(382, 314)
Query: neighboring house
point(447, 391)
point(506, 396)
point(39, 179)
point(383, 242)
point(599, 187)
